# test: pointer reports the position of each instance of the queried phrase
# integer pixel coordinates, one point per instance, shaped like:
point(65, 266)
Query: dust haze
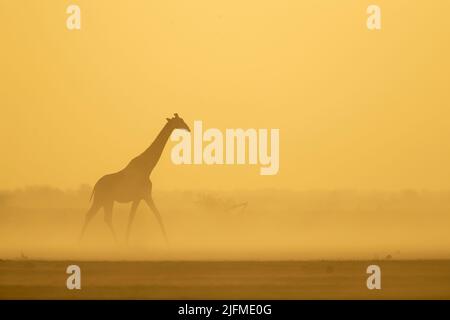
point(43, 222)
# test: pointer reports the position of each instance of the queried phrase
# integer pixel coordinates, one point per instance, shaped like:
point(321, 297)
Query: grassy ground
point(225, 280)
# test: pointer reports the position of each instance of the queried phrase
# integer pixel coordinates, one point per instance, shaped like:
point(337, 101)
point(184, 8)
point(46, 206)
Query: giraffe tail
point(93, 192)
point(95, 188)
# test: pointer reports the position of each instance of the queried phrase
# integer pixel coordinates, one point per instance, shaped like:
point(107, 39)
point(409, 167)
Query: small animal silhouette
point(214, 203)
point(132, 184)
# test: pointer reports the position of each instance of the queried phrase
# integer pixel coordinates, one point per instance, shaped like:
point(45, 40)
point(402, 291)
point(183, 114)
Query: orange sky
point(355, 108)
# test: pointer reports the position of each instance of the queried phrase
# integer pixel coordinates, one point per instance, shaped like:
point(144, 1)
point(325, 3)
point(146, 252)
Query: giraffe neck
point(150, 157)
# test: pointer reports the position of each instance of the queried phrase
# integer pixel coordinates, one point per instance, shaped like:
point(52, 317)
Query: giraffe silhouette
point(132, 184)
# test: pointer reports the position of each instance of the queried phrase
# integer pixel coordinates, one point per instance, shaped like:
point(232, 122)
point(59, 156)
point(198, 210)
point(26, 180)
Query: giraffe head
point(178, 123)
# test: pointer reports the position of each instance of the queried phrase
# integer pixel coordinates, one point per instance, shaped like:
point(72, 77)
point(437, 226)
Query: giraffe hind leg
point(89, 215)
point(108, 218)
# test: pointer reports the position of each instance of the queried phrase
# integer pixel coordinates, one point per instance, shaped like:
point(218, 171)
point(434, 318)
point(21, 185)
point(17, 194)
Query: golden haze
point(356, 109)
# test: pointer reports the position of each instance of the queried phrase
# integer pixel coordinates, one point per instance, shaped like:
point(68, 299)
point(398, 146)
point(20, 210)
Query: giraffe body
point(123, 186)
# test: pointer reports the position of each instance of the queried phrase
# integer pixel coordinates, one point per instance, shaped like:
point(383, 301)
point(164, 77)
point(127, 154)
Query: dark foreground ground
point(225, 280)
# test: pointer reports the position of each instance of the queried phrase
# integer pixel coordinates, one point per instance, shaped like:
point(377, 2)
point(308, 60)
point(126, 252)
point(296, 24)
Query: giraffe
point(132, 184)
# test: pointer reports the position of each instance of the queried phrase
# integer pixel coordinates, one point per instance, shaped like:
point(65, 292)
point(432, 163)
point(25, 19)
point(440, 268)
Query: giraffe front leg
point(134, 207)
point(155, 210)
